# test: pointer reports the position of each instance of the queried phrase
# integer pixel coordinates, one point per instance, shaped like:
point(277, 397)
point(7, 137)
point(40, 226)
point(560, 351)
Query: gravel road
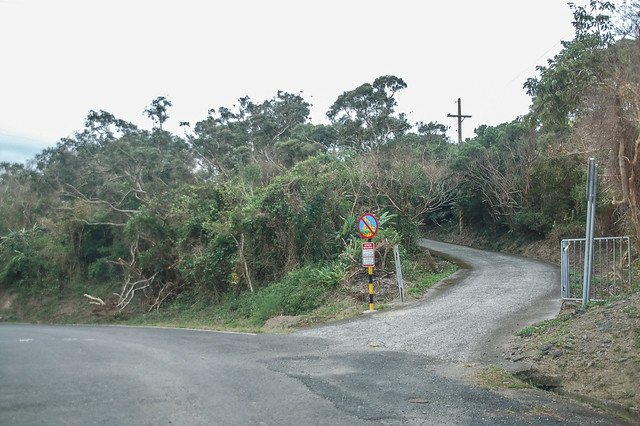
point(469, 316)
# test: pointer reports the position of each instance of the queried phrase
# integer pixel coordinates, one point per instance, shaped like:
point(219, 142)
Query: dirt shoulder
point(592, 353)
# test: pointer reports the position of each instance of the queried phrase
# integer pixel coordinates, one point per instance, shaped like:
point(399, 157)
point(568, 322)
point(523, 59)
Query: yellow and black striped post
point(370, 269)
point(371, 288)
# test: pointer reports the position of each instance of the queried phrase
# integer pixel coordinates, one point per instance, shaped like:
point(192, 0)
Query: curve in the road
point(494, 296)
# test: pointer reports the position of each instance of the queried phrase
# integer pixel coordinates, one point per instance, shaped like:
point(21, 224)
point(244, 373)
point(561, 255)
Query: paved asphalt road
point(330, 375)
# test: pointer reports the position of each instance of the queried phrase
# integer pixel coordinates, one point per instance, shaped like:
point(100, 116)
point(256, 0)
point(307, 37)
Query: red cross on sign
point(368, 225)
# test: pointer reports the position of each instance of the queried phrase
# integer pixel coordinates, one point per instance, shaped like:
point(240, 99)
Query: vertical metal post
point(562, 269)
point(601, 283)
point(370, 270)
point(614, 264)
point(608, 270)
point(580, 269)
point(591, 211)
point(629, 259)
point(621, 267)
point(574, 279)
point(399, 278)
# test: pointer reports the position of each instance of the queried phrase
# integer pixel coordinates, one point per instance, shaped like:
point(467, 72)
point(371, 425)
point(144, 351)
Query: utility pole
point(460, 117)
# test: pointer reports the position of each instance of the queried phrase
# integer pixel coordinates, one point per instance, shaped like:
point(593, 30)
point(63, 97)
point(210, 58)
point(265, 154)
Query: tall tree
point(366, 117)
point(228, 139)
point(557, 91)
point(495, 167)
point(628, 24)
point(591, 90)
point(18, 201)
point(157, 111)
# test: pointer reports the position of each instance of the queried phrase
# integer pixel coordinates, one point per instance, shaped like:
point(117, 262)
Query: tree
point(18, 201)
point(306, 140)
point(410, 182)
point(365, 117)
point(253, 133)
point(592, 91)
point(495, 167)
point(157, 111)
point(557, 91)
point(103, 126)
point(610, 124)
point(107, 186)
point(628, 24)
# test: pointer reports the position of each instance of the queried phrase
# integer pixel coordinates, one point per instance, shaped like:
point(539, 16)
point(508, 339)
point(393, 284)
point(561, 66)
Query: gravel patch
point(470, 317)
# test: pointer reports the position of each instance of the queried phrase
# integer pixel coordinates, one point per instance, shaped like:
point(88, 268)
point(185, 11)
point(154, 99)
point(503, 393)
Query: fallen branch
point(94, 300)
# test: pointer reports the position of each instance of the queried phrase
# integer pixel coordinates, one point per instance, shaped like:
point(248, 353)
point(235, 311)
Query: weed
point(492, 377)
point(543, 326)
point(427, 280)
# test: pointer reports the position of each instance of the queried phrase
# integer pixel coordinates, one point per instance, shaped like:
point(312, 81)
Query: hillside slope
point(591, 353)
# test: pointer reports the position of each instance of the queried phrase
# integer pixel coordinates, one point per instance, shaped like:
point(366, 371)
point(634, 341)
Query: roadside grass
point(543, 325)
point(63, 304)
point(425, 280)
point(493, 377)
point(304, 297)
point(308, 293)
point(540, 327)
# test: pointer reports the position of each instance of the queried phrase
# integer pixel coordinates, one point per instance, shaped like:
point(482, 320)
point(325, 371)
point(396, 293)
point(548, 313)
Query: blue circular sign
point(367, 225)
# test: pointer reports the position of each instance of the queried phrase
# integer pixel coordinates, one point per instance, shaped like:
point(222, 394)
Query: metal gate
point(611, 273)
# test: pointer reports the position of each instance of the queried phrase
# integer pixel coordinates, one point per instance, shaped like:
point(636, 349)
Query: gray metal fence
point(611, 269)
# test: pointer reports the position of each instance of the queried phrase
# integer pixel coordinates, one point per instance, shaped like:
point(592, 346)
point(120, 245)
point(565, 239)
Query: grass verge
point(304, 297)
point(492, 377)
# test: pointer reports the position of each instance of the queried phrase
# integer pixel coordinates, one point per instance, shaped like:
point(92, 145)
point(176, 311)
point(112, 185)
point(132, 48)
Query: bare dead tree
point(503, 177)
point(609, 123)
point(413, 186)
point(243, 259)
point(134, 278)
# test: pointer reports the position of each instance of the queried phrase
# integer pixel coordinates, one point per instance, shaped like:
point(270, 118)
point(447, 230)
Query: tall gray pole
point(591, 220)
point(460, 117)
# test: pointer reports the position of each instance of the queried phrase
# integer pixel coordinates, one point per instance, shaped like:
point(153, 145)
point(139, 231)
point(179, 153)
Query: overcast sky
point(62, 58)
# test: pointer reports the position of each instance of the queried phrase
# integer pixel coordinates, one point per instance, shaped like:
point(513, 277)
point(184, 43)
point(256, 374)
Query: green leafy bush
point(532, 223)
point(32, 260)
point(299, 292)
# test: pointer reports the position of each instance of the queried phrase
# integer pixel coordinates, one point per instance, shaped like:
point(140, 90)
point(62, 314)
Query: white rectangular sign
point(368, 254)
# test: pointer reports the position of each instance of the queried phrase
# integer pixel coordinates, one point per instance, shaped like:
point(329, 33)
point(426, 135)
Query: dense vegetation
point(256, 198)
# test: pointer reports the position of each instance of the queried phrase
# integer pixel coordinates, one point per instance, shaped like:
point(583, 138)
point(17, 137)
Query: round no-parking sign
point(367, 225)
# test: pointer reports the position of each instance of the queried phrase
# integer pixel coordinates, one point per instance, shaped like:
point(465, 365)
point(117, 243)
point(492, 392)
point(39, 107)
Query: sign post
point(396, 254)
point(368, 228)
point(591, 218)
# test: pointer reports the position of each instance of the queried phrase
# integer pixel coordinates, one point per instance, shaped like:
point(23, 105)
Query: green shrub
point(32, 260)
point(103, 270)
point(299, 292)
point(534, 223)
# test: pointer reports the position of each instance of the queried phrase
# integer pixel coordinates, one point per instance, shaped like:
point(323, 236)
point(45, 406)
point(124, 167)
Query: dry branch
point(94, 300)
